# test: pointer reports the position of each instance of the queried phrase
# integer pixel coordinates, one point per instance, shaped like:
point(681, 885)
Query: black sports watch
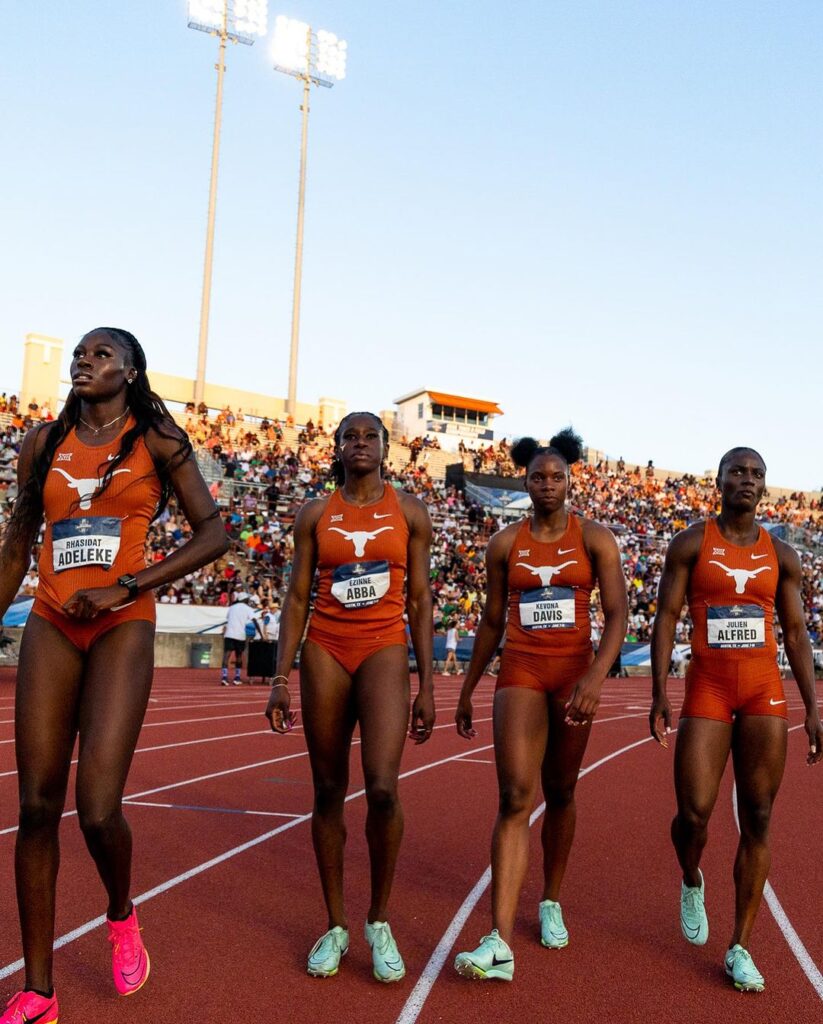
point(130, 583)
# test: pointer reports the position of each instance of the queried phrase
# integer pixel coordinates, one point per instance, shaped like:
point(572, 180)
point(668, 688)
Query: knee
point(515, 801)
point(39, 812)
point(381, 796)
point(754, 821)
point(329, 795)
point(559, 797)
point(693, 818)
point(99, 822)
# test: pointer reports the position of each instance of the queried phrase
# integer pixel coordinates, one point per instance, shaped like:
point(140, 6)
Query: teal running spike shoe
point(553, 932)
point(324, 958)
point(386, 960)
point(693, 921)
point(740, 968)
point(493, 958)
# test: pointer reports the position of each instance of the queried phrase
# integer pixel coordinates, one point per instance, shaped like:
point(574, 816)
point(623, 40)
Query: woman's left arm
point(419, 607)
point(789, 605)
point(605, 557)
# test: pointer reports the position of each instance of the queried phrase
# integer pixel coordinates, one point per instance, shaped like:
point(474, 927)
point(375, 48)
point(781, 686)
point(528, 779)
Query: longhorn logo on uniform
point(85, 487)
point(546, 572)
point(740, 576)
point(360, 538)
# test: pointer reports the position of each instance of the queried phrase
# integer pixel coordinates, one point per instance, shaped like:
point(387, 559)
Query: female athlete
point(541, 573)
point(95, 477)
point(365, 541)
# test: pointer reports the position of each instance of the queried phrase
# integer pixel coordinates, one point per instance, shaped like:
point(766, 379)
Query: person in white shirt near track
point(241, 625)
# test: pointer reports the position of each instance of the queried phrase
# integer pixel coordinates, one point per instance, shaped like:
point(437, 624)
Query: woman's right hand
point(281, 719)
point(463, 717)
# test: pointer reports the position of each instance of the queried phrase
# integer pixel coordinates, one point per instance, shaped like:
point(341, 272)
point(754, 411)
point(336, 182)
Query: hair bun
point(569, 444)
point(523, 451)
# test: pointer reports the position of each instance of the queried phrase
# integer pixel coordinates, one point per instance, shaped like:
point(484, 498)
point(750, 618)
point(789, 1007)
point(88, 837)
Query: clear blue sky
point(592, 211)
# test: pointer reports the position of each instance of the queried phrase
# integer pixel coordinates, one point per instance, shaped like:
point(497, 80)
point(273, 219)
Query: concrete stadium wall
point(171, 650)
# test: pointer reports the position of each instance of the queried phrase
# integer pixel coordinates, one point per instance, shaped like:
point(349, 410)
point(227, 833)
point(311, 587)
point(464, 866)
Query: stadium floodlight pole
point(238, 21)
point(315, 58)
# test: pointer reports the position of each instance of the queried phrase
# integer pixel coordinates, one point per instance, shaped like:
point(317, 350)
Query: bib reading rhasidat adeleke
point(547, 608)
point(92, 541)
point(360, 584)
point(739, 625)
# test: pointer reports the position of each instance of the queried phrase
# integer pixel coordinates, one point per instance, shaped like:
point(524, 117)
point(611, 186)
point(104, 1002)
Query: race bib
point(86, 542)
point(547, 608)
point(740, 625)
point(360, 584)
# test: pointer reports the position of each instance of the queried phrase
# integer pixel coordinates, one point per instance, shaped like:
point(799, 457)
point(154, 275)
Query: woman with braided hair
point(370, 548)
point(540, 576)
point(95, 478)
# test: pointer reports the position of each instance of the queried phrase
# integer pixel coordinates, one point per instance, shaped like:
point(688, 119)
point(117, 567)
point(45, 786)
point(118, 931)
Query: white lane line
point(420, 992)
point(217, 810)
point(96, 922)
point(182, 743)
point(211, 718)
point(793, 940)
point(475, 760)
point(215, 775)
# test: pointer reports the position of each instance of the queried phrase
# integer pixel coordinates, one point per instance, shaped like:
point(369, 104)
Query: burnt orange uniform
point(89, 541)
point(548, 628)
point(733, 669)
point(361, 564)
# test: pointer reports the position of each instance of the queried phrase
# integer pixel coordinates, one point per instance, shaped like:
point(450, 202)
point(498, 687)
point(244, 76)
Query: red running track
point(223, 858)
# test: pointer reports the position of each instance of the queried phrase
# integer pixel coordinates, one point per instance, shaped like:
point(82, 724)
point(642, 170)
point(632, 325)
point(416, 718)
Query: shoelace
point(127, 940)
point(693, 898)
point(745, 956)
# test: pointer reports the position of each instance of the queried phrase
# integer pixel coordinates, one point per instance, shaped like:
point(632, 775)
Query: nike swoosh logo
point(756, 558)
point(568, 551)
point(386, 515)
point(497, 963)
point(40, 1016)
point(774, 703)
point(693, 932)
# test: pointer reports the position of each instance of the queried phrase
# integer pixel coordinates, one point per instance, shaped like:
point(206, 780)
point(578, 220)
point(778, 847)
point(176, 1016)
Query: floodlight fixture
point(316, 58)
point(236, 21)
point(241, 20)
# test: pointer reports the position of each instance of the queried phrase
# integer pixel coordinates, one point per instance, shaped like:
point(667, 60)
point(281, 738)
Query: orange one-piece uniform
point(362, 555)
point(731, 593)
point(548, 625)
point(92, 539)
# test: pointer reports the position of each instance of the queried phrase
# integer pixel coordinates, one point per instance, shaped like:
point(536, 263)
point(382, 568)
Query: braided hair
point(566, 444)
point(149, 412)
point(336, 471)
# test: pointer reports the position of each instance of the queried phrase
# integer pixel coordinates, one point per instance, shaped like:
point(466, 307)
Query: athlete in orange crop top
point(541, 573)
point(96, 477)
point(734, 576)
point(369, 546)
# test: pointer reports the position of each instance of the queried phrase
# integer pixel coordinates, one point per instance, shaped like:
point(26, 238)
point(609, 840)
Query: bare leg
point(45, 725)
point(113, 704)
point(700, 756)
point(328, 720)
point(759, 754)
point(381, 686)
point(521, 725)
point(561, 765)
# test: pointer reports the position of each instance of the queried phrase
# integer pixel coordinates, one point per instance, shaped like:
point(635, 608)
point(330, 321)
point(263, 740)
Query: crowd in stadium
point(260, 480)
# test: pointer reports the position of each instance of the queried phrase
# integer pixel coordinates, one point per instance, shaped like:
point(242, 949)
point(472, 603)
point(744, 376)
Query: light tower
point(238, 21)
point(315, 58)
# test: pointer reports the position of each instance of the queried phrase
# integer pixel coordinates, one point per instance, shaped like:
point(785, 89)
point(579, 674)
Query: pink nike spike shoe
point(130, 962)
point(30, 1008)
